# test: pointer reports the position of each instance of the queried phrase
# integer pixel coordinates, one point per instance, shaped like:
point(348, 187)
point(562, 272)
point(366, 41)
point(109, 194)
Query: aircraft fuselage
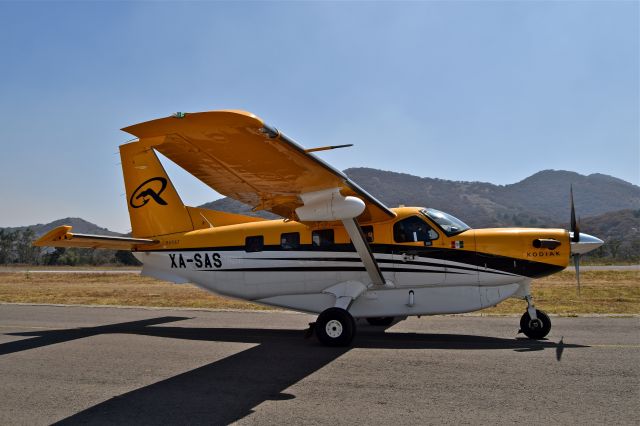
point(291, 265)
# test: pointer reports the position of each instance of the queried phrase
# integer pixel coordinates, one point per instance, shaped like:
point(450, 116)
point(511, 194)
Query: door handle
point(410, 255)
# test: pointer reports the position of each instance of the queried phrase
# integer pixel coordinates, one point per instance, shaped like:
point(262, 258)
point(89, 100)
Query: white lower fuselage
point(298, 279)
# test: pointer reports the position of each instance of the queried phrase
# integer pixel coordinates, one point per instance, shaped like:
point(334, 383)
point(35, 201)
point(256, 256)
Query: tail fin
point(155, 208)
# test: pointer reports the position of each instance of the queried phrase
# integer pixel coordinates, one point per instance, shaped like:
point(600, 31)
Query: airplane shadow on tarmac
point(227, 390)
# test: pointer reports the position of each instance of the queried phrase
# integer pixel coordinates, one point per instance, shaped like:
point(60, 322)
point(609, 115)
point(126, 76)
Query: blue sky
point(489, 91)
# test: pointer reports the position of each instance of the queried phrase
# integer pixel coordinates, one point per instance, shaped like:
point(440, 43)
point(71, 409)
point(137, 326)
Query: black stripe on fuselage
point(504, 264)
point(326, 269)
point(357, 259)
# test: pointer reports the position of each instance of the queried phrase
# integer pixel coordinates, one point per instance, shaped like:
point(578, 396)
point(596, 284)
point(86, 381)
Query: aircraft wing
point(238, 155)
point(63, 237)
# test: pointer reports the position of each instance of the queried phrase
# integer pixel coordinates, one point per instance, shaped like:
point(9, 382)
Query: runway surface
point(156, 366)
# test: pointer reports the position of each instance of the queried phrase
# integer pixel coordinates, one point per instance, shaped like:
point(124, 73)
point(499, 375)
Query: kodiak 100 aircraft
point(337, 251)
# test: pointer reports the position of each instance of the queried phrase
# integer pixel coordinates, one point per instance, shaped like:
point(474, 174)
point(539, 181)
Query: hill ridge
point(541, 199)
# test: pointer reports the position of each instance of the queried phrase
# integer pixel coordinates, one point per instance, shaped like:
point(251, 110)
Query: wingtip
point(55, 234)
point(164, 125)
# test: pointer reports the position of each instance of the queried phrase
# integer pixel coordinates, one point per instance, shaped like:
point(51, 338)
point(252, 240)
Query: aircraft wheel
point(335, 327)
point(535, 329)
point(380, 321)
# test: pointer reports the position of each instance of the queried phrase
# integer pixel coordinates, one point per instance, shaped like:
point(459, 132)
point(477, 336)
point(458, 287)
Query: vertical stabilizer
point(155, 208)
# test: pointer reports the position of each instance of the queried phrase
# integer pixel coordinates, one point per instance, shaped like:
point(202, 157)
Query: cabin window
point(368, 233)
point(290, 241)
point(322, 238)
point(252, 244)
point(413, 229)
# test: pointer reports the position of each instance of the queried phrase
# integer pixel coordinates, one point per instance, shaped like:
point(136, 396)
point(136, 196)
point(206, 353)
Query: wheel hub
point(535, 324)
point(333, 329)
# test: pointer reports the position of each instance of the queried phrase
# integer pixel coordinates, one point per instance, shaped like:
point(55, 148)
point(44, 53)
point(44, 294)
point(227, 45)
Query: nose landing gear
point(535, 324)
point(535, 328)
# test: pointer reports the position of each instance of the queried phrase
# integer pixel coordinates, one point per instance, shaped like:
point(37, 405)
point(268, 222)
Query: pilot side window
point(322, 238)
point(252, 244)
point(290, 240)
point(413, 229)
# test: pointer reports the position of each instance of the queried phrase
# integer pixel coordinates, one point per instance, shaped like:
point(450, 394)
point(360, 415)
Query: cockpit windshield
point(449, 224)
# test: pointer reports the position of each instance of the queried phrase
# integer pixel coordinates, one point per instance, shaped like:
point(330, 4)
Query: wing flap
point(239, 156)
point(63, 237)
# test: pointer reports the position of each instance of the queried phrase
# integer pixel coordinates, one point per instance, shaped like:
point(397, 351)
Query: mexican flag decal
point(457, 244)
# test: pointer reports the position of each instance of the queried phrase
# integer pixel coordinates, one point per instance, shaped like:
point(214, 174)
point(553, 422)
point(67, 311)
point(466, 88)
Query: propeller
point(576, 262)
point(575, 228)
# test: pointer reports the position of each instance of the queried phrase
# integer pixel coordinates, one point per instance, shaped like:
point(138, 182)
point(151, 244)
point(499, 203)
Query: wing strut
point(364, 251)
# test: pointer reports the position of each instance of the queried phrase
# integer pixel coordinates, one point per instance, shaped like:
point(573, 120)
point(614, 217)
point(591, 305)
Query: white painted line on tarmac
point(75, 271)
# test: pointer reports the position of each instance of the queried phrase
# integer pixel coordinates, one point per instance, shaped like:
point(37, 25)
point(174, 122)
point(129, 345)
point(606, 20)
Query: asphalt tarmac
point(159, 366)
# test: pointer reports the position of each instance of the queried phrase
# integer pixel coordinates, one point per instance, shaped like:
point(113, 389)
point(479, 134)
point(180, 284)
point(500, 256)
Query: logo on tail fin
point(146, 191)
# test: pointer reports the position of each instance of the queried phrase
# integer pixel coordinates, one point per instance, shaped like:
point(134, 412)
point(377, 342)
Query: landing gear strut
point(535, 324)
point(335, 327)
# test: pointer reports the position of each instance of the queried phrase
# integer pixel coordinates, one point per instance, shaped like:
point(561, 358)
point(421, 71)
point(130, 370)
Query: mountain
point(609, 208)
point(539, 200)
point(547, 192)
point(80, 226)
point(232, 206)
point(619, 230)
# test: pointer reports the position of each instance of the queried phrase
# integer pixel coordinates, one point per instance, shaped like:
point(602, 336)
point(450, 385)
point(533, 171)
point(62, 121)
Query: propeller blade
point(575, 228)
point(576, 262)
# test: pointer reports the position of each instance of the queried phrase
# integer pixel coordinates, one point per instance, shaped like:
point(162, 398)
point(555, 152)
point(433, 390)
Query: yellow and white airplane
point(337, 251)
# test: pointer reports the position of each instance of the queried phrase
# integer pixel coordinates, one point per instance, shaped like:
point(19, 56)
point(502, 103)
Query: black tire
point(380, 321)
point(535, 329)
point(335, 327)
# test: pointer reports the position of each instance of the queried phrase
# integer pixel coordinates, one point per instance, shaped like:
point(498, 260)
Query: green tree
point(613, 245)
point(27, 252)
point(6, 246)
point(53, 257)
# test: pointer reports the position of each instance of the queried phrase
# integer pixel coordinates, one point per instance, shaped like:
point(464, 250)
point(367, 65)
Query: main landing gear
point(335, 327)
point(534, 323)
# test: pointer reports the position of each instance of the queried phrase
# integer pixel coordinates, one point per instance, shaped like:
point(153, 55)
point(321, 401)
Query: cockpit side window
point(413, 229)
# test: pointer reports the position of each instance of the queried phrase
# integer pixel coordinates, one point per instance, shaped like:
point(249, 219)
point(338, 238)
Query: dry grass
point(109, 289)
point(20, 268)
point(603, 292)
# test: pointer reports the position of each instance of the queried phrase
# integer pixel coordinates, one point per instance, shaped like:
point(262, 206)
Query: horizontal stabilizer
point(63, 237)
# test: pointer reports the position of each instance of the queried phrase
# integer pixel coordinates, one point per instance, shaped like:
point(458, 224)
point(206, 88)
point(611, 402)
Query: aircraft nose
point(586, 244)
